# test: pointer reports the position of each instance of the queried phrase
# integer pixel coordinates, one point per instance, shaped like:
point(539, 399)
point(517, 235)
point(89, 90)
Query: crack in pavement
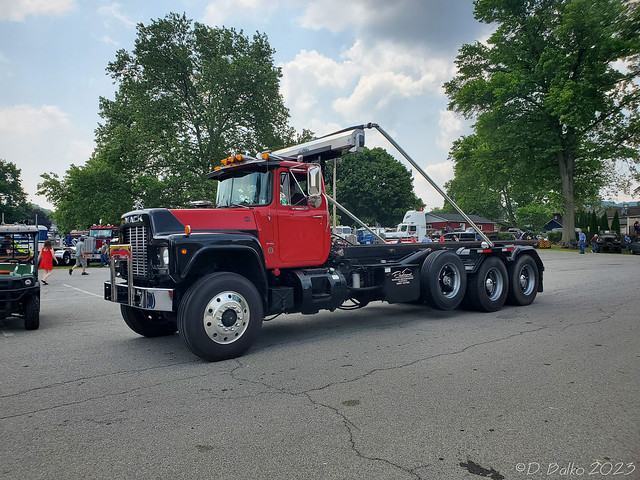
point(108, 395)
point(94, 377)
point(350, 426)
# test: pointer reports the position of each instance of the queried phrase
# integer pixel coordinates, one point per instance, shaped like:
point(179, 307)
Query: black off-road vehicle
point(19, 286)
point(609, 241)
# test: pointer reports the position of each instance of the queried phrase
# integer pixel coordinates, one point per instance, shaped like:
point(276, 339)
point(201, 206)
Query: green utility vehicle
point(19, 286)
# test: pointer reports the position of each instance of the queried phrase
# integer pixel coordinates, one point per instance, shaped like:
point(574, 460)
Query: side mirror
point(314, 181)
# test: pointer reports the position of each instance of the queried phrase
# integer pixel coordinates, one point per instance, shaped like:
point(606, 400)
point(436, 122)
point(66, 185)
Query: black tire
point(487, 288)
point(149, 323)
point(234, 303)
point(523, 281)
point(66, 259)
point(443, 279)
point(32, 313)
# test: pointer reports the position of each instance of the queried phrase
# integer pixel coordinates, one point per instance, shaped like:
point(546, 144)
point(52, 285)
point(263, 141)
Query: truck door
point(303, 230)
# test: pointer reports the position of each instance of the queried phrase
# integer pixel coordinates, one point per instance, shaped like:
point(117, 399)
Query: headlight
point(28, 282)
point(163, 256)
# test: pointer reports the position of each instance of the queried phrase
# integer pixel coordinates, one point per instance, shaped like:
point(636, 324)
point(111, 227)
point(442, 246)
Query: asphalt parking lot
point(386, 392)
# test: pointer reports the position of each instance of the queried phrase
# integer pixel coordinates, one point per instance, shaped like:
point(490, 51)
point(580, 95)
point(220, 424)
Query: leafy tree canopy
point(615, 222)
point(187, 96)
point(533, 216)
point(604, 222)
point(13, 199)
point(554, 99)
point(374, 186)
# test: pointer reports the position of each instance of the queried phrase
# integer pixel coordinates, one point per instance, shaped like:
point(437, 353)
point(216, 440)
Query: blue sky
point(343, 63)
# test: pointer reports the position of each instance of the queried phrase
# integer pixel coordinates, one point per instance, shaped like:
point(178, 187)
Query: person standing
point(81, 259)
point(7, 245)
point(594, 243)
point(582, 240)
point(104, 254)
point(45, 260)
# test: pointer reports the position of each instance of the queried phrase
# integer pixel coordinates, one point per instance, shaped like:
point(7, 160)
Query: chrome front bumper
point(158, 299)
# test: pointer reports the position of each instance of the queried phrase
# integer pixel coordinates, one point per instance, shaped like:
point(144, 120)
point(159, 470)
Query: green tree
point(533, 216)
point(187, 96)
point(13, 199)
point(604, 222)
point(374, 186)
point(87, 194)
point(594, 225)
point(546, 91)
point(615, 222)
point(473, 187)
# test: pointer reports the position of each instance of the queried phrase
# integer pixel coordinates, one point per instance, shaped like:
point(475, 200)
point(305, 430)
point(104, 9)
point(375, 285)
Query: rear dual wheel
point(523, 281)
point(443, 279)
point(487, 289)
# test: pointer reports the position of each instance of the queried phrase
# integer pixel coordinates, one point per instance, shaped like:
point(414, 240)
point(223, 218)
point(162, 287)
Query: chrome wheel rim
point(493, 284)
point(526, 280)
point(226, 317)
point(449, 281)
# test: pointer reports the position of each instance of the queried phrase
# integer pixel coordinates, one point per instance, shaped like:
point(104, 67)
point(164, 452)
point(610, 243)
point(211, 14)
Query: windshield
point(102, 233)
point(19, 247)
point(247, 188)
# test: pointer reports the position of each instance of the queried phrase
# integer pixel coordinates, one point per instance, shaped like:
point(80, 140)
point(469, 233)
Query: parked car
point(634, 247)
point(19, 286)
point(365, 237)
point(609, 241)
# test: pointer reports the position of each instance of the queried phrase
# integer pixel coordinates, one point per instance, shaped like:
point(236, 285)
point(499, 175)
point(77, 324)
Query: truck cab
point(271, 198)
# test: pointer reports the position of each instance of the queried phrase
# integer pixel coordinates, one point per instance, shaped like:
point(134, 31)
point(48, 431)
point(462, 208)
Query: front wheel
point(487, 289)
point(66, 259)
point(32, 313)
point(220, 316)
point(443, 280)
point(148, 323)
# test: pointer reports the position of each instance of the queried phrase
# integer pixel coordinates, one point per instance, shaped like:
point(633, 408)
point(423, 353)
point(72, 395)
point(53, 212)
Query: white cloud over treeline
point(19, 10)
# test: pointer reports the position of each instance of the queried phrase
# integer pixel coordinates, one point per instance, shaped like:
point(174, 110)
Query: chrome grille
point(138, 238)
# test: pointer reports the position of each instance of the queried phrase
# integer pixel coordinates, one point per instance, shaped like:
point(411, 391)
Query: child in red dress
point(46, 259)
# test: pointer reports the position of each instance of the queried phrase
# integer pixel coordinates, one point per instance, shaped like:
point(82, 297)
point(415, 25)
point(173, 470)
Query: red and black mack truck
point(214, 274)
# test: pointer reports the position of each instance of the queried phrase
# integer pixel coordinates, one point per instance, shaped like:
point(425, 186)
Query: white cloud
point(364, 82)
point(310, 79)
point(25, 119)
point(38, 140)
point(112, 15)
point(108, 40)
point(323, 15)
point(18, 10)
point(440, 173)
point(451, 126)
point(219, 11)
